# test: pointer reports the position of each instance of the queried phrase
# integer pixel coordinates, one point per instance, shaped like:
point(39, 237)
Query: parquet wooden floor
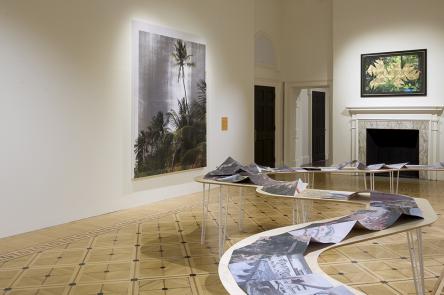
point(155, 249)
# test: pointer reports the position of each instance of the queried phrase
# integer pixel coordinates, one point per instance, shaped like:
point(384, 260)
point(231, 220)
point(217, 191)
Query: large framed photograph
point(169, 100)
point(397, 73)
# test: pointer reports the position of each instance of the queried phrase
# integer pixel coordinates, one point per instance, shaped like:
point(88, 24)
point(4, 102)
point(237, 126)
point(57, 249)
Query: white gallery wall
point(376, 26)
point(307, 41)
point(268, 28)
point(307, 63)
point(65, 88)
point(65, 115)
point(300, 32)
point(267, 60)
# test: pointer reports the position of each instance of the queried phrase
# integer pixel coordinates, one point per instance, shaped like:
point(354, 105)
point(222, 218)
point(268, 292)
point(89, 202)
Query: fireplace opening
point(391, 146)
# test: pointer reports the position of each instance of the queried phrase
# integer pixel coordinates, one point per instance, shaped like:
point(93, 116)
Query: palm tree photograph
point(170, 133)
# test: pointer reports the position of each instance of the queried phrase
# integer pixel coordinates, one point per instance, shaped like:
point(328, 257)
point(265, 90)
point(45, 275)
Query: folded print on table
point(234, 172)
point(276, 265)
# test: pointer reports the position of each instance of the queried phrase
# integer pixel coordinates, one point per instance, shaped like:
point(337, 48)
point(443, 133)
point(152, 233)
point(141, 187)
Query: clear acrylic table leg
point(241, 210)
point(205, 198)
point(301, 210)
point(220, 223)
point(414, 238)
point(227, 200)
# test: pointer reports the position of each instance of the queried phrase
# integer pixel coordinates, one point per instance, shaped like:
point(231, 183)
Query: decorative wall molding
point(292, 111)
point(309, 84)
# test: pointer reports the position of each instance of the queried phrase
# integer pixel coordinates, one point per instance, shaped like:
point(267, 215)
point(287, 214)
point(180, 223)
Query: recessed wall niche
point(264, 53)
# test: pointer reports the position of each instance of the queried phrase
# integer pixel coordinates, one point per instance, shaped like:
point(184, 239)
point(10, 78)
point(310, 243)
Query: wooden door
point(264, 125)
point(318, 126)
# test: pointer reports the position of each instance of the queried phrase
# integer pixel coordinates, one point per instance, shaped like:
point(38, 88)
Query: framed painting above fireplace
point(396, 73)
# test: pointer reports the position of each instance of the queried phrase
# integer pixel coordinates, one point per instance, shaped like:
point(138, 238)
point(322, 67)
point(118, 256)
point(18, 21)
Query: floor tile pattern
point(163, 254)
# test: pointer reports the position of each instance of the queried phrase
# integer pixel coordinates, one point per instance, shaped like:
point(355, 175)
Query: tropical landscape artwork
point(400, 73)
point(169, 101)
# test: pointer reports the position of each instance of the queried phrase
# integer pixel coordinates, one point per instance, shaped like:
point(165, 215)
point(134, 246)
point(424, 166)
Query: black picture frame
point(395, 73)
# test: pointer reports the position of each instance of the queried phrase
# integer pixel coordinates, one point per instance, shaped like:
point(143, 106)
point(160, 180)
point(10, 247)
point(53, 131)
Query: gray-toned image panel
point(170, 131)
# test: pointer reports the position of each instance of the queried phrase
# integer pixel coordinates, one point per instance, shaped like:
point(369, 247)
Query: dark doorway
point(264, 125)
point(318, 126)
point(392, 146)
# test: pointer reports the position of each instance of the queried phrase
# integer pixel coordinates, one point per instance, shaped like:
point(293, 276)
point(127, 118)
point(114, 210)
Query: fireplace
point(426, 119)
point(392, 146)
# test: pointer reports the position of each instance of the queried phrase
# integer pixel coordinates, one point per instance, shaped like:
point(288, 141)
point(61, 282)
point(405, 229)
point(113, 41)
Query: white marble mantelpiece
point(432, 110)
point(425, 119)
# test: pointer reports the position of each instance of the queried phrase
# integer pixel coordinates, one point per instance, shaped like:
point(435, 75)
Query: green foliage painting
point(171, 105)
point(400, 73)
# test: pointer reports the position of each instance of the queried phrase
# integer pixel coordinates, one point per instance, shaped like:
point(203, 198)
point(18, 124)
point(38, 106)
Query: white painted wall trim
point(291, 141)
point(310, 84)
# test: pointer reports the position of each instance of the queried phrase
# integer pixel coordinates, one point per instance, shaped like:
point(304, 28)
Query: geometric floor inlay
point(164, 256)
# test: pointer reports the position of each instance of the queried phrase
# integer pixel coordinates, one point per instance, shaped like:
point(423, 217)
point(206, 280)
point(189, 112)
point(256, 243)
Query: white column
point(354, 148)
point(434, 144)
